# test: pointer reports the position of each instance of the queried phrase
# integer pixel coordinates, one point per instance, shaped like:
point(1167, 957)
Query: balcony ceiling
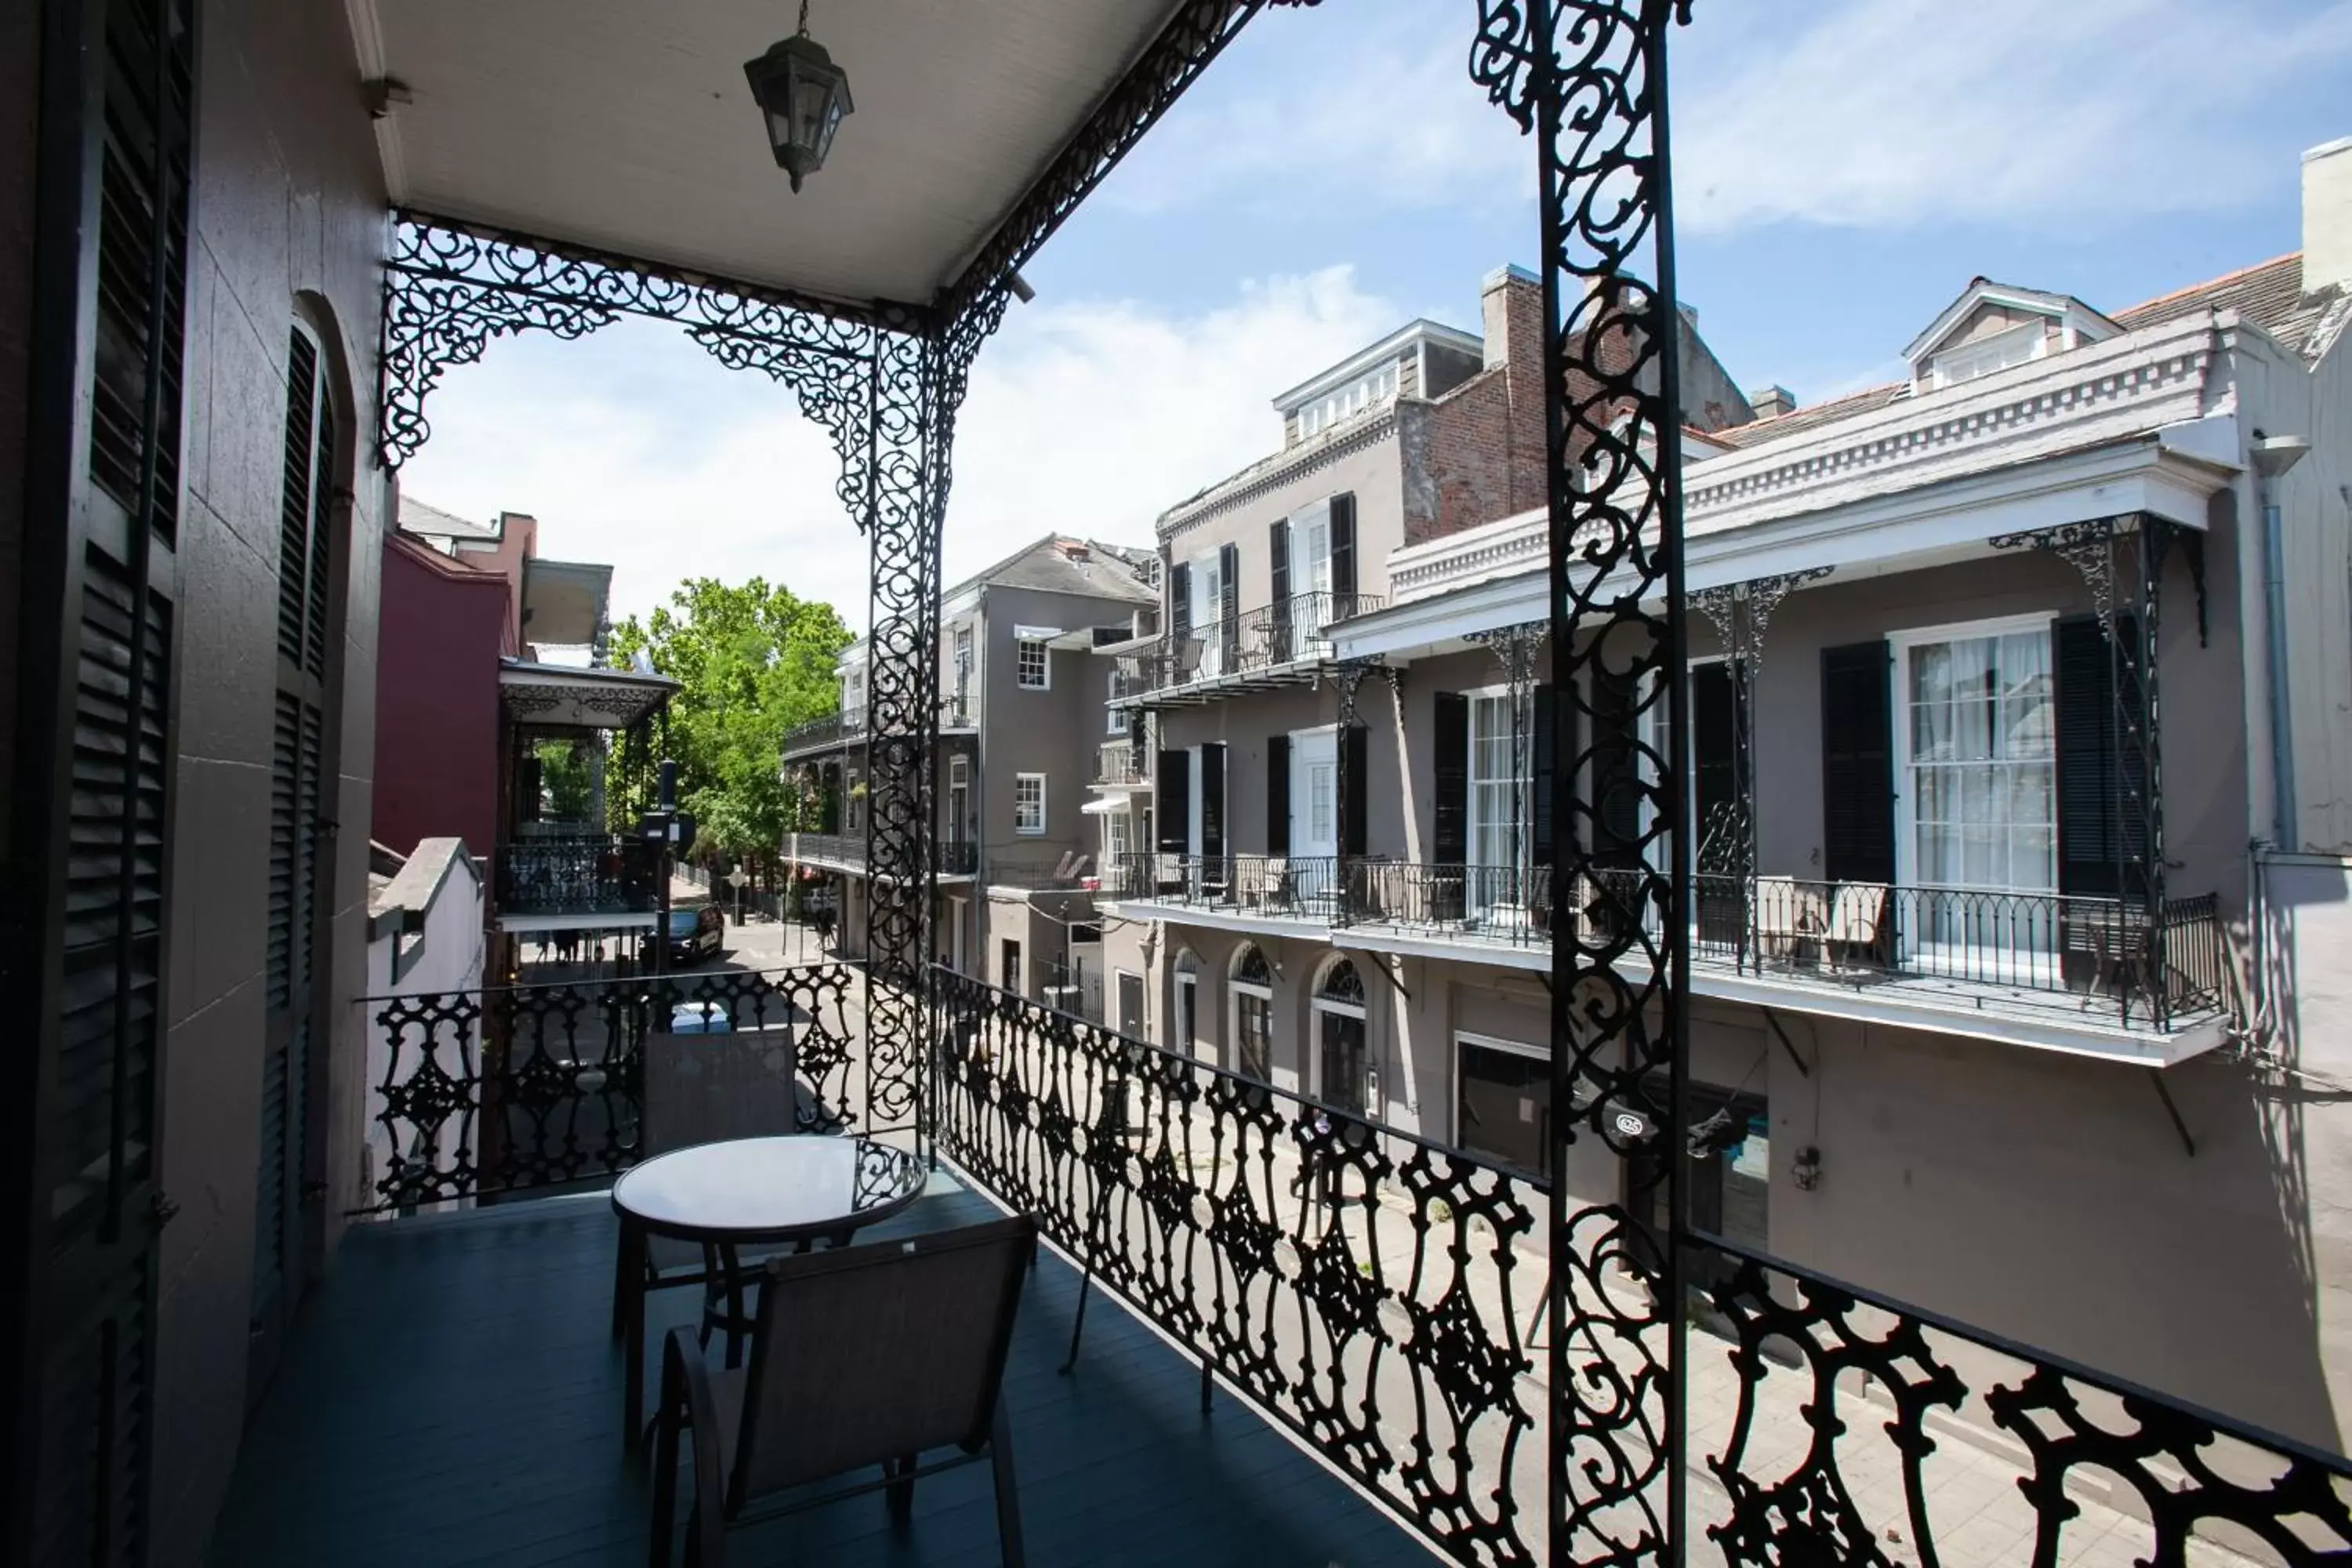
point(565, 697)
point(628, 127)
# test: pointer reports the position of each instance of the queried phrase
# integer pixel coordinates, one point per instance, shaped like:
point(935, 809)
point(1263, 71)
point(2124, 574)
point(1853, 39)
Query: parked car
point(696, 934)
point(700, 1018)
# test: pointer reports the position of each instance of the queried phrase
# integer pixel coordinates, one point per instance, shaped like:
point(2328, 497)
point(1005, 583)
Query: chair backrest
point(1854, 917)
point(740, 1084)
point(866, 1354)
point(1776, 906)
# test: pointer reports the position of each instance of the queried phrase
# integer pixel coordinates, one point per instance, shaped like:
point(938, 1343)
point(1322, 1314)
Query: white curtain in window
point(1983, 726)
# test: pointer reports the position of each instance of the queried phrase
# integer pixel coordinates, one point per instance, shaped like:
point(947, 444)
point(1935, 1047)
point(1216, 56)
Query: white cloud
point(1088, 418)
point(1339, 110)
point(1860, 113)
point(1895, 113)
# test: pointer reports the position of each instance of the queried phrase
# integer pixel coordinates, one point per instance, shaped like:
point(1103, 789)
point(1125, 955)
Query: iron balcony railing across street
point(958, 711)
point(1246, 648)
point(956, 856)
point(598, 875)
point(1383, 1297)
point(2052, 946)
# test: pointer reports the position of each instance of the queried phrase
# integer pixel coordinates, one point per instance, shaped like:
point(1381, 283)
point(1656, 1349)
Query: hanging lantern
point(803, 95)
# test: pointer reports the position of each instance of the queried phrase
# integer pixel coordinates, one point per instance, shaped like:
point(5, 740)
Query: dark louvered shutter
point(1229, 603)
point(1277, 544)
point(1449, 820)
point(1355, 800)
point(1617, 792)
point(296, 833)
point(1449, 839)
point(1544, 764)
point(1277, 795)
point(1343, 557)
point(2102, 771)
point(1171, 798)
point(1722, 843)
point(1179, 600)
point(1212, 800)
point(1857, 766)
point(88, 868)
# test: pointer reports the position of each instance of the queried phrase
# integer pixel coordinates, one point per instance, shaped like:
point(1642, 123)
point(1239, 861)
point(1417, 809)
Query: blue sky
point(1843, 168)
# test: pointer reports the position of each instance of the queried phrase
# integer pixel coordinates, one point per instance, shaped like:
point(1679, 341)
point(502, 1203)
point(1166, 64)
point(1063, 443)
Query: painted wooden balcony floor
point(452, 1395)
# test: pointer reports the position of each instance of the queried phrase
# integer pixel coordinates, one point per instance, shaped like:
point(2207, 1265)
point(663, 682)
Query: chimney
point(1769, 401)
point(1510, 302)
point(2327, 216)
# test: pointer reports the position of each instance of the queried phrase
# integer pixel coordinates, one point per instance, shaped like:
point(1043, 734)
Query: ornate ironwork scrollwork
point(1587, 79)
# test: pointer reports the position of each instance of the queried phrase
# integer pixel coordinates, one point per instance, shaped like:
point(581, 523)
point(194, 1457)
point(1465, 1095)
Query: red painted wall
point(437, 716)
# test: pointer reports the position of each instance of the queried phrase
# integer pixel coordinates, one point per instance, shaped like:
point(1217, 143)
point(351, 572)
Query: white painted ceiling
point(626, 125)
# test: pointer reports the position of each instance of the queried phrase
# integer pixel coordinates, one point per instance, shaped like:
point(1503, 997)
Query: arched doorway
point(1251, 981)
point(1343, 1074)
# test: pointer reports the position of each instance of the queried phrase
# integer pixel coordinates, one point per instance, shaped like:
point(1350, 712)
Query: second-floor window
point(1114, 839)
point(1977, 725)
point(1117, 720)
point(1034, 672)
point(1029, 803)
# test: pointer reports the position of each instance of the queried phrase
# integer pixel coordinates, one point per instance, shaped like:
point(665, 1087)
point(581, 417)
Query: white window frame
point(1022, 644)
point(1187, 1007)
point(1115, 828)
point(1317, 1004)
point(1113, 690)
point(1019, 779)
point(1956, 366)
point(1208, 602)
point(1901, 643)
point(1235, 989)
point(1473, 818)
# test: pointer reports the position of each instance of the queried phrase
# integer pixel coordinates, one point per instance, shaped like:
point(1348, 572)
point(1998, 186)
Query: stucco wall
point(289, 216)
point(1368, 469)
point(437, 704)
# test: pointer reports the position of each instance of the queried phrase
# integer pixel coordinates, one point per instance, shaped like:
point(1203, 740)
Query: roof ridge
point(2208, 285)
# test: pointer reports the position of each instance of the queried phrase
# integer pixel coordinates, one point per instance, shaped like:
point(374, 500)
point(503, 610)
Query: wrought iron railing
point(587, 876)
point(2082, 952)
point(1289, 631)
point(1118, 762)
point(825, 731)
point(474, 1094)
point(1382, 1297)
point(1362, 1287)
point(1301, 887)
point(828, 849)
point(1853, 1420)
point(956, 856)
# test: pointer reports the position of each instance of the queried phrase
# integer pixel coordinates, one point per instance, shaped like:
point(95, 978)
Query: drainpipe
point(2272, 457)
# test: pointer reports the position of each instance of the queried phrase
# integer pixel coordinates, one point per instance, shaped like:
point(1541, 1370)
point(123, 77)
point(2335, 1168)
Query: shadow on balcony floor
point(452, 1396)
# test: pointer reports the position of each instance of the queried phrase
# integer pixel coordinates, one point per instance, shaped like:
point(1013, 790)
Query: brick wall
point(1475, 455)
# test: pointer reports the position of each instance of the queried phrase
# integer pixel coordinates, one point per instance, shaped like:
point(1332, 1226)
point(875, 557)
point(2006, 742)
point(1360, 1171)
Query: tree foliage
point(752, 661)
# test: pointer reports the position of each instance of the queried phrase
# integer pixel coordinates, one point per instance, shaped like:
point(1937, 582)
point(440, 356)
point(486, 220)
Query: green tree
point(563, 775)
point(750, 661)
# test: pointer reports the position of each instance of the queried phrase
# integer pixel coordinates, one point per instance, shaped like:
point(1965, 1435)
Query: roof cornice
point(1253, 482)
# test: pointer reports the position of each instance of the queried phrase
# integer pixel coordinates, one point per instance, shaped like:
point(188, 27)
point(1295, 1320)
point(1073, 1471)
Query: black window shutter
point(1449, 839)
point(1857, 766)
point(1229, 602)
point(1279, 548)
point(1543, 761)
point(1180, 599)
point(1212, 800)
point(1617, 769)
point(1277, 795)
point(1171, 800)
point(1357, 765)
point(1343, 555)
point(2098, 822)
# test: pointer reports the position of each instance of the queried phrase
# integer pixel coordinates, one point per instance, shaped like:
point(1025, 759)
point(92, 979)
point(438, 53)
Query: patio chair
point(702, 1088)
point(871, 1355)
point(1857, 923)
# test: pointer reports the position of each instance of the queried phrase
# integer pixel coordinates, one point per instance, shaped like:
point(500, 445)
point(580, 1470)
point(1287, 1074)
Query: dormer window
point(1328, 410)
point(1969, 361)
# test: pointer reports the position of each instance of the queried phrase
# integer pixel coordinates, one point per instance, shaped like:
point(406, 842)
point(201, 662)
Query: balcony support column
point(1346, 676)
point(2121, 560)
point(1586, 80)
